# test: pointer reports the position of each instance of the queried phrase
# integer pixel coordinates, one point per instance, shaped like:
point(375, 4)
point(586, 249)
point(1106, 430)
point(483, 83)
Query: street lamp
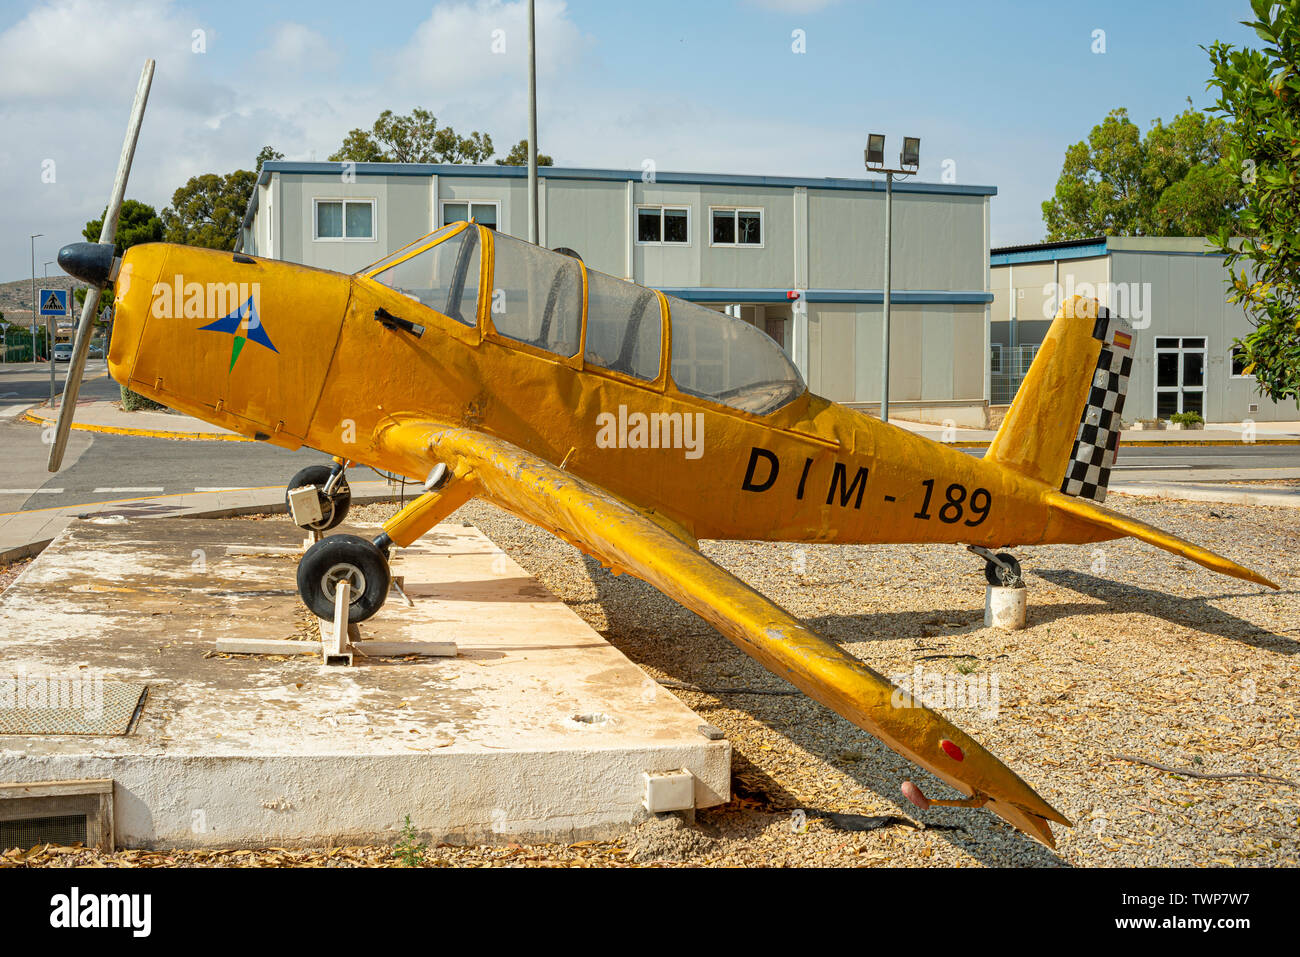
point(534, 227)
point(909, 159)
point(35, 236)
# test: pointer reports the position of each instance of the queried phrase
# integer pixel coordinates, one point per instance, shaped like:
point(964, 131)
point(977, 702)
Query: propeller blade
point(77, 367)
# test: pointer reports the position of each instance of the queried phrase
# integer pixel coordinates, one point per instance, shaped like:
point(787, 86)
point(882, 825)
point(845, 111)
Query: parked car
point(95, 352)
point(63, 352)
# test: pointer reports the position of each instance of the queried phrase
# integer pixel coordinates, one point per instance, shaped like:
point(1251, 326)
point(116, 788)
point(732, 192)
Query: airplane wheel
point(333, 508)
point(999, 576)
point(344, 558)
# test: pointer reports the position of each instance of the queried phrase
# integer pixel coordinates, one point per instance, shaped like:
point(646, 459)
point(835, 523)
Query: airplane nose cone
point(89, 262)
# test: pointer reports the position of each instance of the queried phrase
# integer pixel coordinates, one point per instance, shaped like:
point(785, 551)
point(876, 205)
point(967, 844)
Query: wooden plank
point(265, 646)
point(396, 649)
point(56, 788)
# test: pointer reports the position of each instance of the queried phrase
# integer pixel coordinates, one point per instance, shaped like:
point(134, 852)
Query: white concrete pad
point(538, 728)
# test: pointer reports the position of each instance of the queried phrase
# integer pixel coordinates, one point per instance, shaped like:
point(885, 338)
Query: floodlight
point(911, 155)
point(875, 151)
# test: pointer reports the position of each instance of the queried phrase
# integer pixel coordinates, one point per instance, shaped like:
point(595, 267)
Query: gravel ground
point(1130, 651)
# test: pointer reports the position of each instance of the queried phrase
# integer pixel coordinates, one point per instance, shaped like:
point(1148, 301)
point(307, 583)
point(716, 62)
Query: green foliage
point(414, 138)
point(134, 402)
point(209, 209)
point(1178, 180)
point(136, 223)
point(1186, 418)
point(407, 850)
point(1259, 92)
point(267, 153)
point(518, 156)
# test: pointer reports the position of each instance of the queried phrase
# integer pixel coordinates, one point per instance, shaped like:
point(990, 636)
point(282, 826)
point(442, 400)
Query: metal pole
point(49, 337)
point(35, 236)
point(533, 224)
point(884, 324)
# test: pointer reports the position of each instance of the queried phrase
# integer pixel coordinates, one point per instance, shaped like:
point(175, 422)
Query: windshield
point(729, 361)
point(430, 239)
point(444, 277)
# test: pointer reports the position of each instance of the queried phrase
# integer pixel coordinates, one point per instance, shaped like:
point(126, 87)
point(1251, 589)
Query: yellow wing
point(628, 539)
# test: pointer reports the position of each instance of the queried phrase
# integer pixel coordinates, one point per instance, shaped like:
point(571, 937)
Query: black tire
point(1000, 577)
point(331, 560)
point(333, 508)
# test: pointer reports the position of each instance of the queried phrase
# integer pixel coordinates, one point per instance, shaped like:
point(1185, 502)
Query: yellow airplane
point(628, 423)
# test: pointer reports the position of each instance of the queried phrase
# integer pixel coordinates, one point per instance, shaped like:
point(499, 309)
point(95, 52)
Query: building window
point(1180, 375)
point(663, 225)
point(485, 213)
point(1239, 364)
point(995, 357)
point(345, 219)
point(736, 227)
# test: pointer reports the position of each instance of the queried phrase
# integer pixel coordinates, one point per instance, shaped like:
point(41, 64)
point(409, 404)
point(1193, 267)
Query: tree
point(414, 138)
point(267, 153)
point(137, 223)
point(209, 209)
point(1175, 181)
point(1259, 92)
point(518, 156)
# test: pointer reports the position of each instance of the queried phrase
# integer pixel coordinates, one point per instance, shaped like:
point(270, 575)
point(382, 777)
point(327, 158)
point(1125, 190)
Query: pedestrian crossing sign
point(54, 302)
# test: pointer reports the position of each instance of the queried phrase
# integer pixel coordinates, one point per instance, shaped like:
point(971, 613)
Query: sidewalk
point(105, 416)
point(1229, 433)
point(102, 415)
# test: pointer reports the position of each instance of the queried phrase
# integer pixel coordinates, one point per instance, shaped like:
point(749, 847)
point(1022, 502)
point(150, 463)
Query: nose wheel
point(332, 491)
point(339, 558)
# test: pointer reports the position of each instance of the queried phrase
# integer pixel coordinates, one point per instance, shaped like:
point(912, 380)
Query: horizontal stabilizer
point(1123, 525)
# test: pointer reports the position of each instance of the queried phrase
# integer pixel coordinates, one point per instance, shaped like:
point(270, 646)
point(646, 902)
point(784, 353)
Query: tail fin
point(1063, 427)
point(1124, 525)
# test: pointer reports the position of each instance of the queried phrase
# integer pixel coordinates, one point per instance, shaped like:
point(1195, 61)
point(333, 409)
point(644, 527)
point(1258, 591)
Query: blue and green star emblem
point(245, 325)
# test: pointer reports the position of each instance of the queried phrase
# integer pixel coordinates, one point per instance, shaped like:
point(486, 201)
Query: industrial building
point(1174, 292)
point(801, 259)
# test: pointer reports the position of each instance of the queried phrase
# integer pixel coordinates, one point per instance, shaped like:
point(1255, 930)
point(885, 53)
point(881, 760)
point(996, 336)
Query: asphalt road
point(100, 468)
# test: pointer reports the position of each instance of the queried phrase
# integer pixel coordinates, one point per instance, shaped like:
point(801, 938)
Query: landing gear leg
point(1001, 570)
point(332, 492)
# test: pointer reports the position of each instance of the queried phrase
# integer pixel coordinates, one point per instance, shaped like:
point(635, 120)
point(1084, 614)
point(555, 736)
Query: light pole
point(49, 338)
point(908, 161)
point(533, 225)
point(35, 236)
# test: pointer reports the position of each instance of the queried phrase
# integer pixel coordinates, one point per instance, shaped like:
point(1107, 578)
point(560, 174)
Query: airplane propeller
point(94, 264)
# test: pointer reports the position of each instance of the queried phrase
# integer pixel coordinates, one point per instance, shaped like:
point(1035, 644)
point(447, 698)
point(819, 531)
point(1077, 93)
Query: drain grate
point(34, 704)
point(63, 831)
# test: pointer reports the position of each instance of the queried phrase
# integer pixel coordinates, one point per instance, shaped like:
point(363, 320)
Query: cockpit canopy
point(536, 297)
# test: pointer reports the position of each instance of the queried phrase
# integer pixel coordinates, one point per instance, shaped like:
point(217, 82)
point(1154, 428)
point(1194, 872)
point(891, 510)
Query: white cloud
point(481, 48)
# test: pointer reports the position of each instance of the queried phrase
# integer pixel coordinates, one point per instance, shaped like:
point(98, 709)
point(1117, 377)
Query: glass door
point(1180, 375)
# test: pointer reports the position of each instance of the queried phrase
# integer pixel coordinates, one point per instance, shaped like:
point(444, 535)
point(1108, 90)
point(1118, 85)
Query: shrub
point(134, 402)
point(1186, 418)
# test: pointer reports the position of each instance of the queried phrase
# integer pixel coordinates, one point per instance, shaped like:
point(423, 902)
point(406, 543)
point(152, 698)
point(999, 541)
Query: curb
point(1227, 495)
point(31, 416)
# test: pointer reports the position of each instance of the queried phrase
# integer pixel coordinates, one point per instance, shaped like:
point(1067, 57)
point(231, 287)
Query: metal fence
point(1008, 365)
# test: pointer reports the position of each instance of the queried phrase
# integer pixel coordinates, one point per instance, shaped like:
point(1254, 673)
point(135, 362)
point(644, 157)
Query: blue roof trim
point(1047, 255)
point(865, 296)
point(619, 175)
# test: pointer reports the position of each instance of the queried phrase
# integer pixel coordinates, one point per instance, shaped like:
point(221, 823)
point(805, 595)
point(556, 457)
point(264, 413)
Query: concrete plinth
point(538, 729)
point(1006, 608)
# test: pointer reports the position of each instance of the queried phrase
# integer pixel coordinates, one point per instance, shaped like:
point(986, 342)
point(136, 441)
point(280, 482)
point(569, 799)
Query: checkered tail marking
point(1088, 472)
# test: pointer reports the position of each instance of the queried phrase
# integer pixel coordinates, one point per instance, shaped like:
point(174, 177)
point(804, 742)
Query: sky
point(996, 91)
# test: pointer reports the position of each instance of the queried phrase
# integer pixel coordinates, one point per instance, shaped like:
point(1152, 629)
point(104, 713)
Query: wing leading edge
point(628, 539)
